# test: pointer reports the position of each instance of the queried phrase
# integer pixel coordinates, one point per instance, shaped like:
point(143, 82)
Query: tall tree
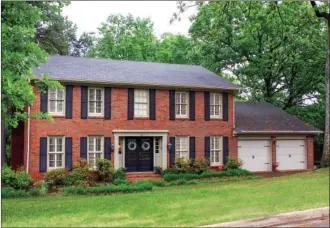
point(125, 37)
point(325, 162)
point(83, 45)
point(19, 53)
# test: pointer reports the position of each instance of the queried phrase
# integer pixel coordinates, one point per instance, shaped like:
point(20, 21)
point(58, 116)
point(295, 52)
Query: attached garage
point(256, 154)
point(291, 154)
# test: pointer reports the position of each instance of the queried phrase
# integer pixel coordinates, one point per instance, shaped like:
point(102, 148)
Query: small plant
point(34, 192)
point(233, 163)
point(56, 176)
point(9, 192)
point(119, 181)
point(182, 164)
point(120, 174)
point(16, 179)
point(158, 170)
point(201, 165)
point(105, 169)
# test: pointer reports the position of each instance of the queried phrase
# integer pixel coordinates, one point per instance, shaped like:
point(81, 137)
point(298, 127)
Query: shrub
point(233, 163)
point(158, 183)
point(105, 169)
point(9, 192)
point(182, 164)
point(119, 181)
point(79, 173)
point(201, 165)
point(120, 174)
point(56, 176)
point(17, 180)
point(34, 192)
point(158, 170)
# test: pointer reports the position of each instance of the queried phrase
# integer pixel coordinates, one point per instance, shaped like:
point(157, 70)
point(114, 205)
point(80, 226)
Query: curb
point(279, 219)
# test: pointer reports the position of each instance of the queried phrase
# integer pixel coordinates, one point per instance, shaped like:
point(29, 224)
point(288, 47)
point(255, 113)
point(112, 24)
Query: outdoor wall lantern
point(169, 146)
point(112, 147)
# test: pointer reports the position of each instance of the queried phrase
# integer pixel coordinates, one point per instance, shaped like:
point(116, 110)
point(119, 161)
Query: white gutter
point(278, 132)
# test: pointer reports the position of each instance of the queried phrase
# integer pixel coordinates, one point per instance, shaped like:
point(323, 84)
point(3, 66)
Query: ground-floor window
point(95, 149)
point(216, 150)
point(55, 152)
point(182, 147)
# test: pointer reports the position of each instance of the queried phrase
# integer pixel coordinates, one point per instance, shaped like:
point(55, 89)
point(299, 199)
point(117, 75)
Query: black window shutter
point(84, 102)
point(68, 101)
point(225, 144)
point(152, 104)
point(225, 106)
point(192, 105)
point(207, 105)
point(107, 148)
point(43, 102)
point(207, 147)
point(68, 153)
point(130, 109)
point(172, 151)
point(83, 147)
point(107, 103)
point(172, 104)
point(43, 155)
point(192, 147)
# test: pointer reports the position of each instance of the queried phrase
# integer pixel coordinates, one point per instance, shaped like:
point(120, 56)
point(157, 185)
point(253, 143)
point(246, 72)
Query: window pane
point(60, 106)
point(177, 144)
point(51, 160)
point(184, 155)
point(90, 144)
point(59, 145)
point(212, 98)
point(217, 156)
point(183, 109)
point(91, 94)
point(177, 109)
point(216, 110)
point(98, 144)
point(183, 98)
point(51, 144)
point(91, 107)
point(58, 160)
point(52, 106)
point(217, 98)
point(99, 95)
point(98, 107)
point(98, 155)
point(52, 94)
point(60, 94)
point(91, 159)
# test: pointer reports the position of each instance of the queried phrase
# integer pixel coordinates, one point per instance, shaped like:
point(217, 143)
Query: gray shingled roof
point(68, 68)
point(264, 117)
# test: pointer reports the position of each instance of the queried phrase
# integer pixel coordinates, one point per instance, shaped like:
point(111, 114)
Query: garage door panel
point(255, 155)
point(291, 154)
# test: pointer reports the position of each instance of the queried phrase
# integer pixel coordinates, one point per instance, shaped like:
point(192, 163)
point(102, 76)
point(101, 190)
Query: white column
point(116, 157)
point(164, 152)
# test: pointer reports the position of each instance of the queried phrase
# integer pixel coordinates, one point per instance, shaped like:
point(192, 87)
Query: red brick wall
point(310, 152)
point(77, 127)
point(273, 145)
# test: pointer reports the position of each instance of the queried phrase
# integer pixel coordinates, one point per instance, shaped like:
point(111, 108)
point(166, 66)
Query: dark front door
point(139, 154)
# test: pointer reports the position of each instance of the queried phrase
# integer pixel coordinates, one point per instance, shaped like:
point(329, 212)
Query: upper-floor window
point(216, 150)
point(95, 149)
point(95, 101)
point(215, 105)
point(182, 147)
point(56, 101)
point(141, 103)
point(181, 104)
point(55, 151)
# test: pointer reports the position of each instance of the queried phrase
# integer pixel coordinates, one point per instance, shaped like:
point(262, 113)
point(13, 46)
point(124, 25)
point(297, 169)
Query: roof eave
point(277, 132)
point(130, 83)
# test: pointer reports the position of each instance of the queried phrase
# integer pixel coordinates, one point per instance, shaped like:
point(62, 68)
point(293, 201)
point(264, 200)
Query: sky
point(88, 15)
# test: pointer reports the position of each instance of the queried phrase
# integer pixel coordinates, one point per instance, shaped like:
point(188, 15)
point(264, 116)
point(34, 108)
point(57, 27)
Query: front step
point(131, 177)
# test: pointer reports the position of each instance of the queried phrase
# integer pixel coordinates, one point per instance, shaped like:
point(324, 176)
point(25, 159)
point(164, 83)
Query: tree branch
point(318, 13)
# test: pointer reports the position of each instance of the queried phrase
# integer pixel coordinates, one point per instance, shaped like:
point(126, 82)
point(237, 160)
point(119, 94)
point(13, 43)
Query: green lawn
point(202, 204)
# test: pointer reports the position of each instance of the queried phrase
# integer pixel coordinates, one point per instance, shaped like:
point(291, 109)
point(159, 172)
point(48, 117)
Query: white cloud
point(88, 15)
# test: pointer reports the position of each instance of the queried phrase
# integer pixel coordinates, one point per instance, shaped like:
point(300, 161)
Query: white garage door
point(255, 154)
point(291, 154)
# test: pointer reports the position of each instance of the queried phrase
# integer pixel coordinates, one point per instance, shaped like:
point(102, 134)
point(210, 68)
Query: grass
point(191, 205)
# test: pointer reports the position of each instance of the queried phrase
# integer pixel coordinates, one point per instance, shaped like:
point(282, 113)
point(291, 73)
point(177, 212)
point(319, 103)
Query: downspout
point(28, 140)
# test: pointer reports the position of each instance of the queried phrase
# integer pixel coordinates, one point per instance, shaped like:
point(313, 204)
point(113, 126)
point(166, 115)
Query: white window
point(95, 149)
point(181, 104)
point(182, 147)
point(55, 158)
point(95, 102)
point(215, 105)
point(141, 103)
point(158, 145)
point(56, 101)
point(216, 150)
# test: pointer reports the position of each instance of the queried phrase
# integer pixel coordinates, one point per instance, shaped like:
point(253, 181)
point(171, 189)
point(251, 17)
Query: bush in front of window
point(184, 165)
point(233, 163)
point(105, 169)
point(56, 176)
point(15, 179)
point(79, 172)
point(201, 165)
point(120, 174)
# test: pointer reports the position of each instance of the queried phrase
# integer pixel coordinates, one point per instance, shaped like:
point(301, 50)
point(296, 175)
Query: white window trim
point(135, 91)
point(48, 104)
point(220, 149)
point(63, 152)
point(179, 151)
point(187, 113)
point(102, 102)
point(220, 111)
point(102, 148)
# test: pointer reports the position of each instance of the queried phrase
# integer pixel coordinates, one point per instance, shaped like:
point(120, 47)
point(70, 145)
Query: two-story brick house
point(137, 114)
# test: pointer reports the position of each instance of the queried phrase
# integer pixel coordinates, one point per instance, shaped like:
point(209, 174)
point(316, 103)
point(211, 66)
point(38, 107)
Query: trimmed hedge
point(193, 176)
point(108, 189)
point(9, 192)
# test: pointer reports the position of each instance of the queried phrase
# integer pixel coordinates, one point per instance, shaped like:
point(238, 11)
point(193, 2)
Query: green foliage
point(119, 181)
point(120, 174)
point(158, 183)
point(35, 192)
point(79, 172)
point(233, 163)
point(105, 169)
point(15, 179)
point(220, 174)
point(56, 176)
point(183, 165)
point(109, 189)
point(9, 192)
point(158, 170)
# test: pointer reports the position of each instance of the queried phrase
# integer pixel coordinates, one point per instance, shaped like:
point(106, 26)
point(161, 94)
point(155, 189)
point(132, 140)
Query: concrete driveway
point(318, 217)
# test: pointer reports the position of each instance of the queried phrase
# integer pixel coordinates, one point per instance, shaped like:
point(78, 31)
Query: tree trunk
point(326, 147)
point(3, 141)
